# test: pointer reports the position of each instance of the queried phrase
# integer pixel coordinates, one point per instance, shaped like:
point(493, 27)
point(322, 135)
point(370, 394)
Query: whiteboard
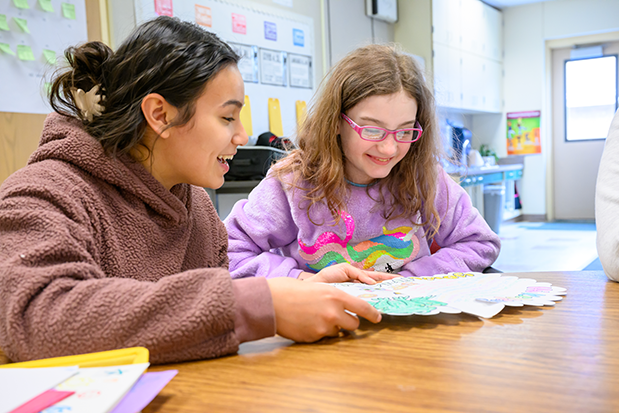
point(22, 88)
point(258, 32)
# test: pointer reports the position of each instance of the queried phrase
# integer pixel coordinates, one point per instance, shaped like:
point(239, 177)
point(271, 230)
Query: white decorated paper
point(483, 295)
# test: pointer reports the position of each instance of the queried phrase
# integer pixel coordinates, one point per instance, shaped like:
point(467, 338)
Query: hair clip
point(88, 102)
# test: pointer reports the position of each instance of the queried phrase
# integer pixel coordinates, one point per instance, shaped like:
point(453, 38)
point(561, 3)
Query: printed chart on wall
point(33, 37)
point(523, 133)
point(277, 49)
point(483, 295)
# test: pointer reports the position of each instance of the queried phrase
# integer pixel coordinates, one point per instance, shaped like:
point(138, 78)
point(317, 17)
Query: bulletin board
point(33, 37)
point(277, 49)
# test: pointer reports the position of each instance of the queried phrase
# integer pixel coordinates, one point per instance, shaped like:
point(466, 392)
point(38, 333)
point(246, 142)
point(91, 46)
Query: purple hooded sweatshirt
point(95, 254)
point(271, 235)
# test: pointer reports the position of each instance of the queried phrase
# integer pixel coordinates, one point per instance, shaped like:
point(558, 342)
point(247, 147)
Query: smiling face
point(196, 153)
point(366, 161)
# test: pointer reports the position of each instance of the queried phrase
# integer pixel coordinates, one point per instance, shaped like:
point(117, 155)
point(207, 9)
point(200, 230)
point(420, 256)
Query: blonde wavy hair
point(317, 165)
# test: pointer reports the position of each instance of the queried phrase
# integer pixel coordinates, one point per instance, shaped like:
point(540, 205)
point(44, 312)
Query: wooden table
point(551, 359)
point(530, 359)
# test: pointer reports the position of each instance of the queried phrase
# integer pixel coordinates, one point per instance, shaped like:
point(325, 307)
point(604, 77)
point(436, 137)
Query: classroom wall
point(20, 132)
point(527, 29)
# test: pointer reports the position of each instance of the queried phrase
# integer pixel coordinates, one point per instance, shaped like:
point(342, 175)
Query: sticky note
point(50, 56)
point(4, 25)
point(24, 52)
point(21, 4)
point(22, 23)
point(6, 49)
point(68, 11)
point(46, 5)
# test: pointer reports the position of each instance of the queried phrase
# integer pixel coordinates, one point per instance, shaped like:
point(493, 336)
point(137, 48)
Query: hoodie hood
point(64, 139)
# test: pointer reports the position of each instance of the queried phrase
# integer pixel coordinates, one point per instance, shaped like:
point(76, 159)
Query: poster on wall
point(248, 65)
point(523, 137)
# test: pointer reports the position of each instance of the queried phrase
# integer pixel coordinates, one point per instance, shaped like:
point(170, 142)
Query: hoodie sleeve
point(607, 203)
point(55, 299)
point(257, 226)
point(467, 242)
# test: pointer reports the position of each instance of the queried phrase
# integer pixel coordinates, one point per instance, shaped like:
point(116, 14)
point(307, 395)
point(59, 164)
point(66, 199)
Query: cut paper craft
point(50, 56)
point(22, 23)
point(97, 389)
point(25, 384)
point(68, 11)
point(144, 391)
point(21, 4)
point(6, 49)
point(4, 25)
point(43, 401)
point(483, 295)
point(24, 52)
point(46, 5)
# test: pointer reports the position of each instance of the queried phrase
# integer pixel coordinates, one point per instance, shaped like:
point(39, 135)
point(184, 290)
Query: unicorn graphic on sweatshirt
point(387, 252)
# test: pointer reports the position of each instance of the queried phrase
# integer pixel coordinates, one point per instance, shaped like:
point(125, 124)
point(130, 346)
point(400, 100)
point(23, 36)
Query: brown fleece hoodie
point(95, 254)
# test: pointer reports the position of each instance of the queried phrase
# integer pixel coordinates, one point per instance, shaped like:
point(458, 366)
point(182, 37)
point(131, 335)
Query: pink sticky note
point(144, 391)
point(163, 7)
point(42, 401)
point(239, 24)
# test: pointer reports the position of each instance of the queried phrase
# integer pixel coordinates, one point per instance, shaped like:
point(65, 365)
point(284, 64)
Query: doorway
point(579, 125)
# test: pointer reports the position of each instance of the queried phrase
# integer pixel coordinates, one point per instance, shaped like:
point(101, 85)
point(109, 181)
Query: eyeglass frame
point(359, 129)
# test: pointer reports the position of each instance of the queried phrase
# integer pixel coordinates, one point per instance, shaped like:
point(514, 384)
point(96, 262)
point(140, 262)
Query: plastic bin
point(494, 199)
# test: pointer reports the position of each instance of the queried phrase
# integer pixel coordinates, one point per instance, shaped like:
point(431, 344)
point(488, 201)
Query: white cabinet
point(467, 55)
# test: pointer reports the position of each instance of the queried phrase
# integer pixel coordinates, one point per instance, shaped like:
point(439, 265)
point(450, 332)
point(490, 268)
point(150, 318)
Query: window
point(590, 97)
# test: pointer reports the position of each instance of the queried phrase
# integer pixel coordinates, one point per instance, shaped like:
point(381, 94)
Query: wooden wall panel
point(20, 132)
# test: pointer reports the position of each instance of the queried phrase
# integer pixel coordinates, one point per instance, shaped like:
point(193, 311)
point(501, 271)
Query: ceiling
point(501, 4)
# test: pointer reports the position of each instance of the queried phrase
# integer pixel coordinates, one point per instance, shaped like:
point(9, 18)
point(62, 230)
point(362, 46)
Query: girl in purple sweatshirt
point(364, 186)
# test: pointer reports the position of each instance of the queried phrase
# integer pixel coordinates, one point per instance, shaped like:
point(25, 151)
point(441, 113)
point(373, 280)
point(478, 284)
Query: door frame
point(546, 120)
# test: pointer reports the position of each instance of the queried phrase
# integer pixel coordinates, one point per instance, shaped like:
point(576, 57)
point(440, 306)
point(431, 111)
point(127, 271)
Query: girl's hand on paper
point(306, 312)
point(341, 273)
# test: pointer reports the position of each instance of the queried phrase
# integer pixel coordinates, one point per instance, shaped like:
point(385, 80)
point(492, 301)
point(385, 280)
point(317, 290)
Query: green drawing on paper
point(22, 23)
point(4, 25)
point(46, 5)
point(406, 305)
point(21, 4)
point(24, 52)
point(6, 49)
point(50, 56)
point(68, 11)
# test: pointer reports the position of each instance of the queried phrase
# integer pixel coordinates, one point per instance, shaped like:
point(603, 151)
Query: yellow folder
point(275, 118)
point(301, 107)
point(246, 117)
point(132, 355)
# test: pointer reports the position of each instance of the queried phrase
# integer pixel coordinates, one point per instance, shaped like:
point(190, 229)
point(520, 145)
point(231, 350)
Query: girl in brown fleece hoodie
point(107, 239)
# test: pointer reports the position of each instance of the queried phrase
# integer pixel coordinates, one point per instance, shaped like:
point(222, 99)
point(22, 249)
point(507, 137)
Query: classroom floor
point(547, 246)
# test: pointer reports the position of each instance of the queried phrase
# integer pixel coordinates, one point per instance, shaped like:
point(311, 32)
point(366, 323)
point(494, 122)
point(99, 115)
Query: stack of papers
point(115, 388)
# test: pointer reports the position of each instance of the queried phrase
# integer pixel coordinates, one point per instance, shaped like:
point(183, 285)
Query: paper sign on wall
point(483, 295)
point(523, 133)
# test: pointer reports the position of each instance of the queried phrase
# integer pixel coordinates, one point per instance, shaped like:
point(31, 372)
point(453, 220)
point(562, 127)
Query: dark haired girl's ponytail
point(86, 72)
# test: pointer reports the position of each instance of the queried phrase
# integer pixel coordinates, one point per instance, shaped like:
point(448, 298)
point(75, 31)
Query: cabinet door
point(493, 33)
point(447, 84)
point(473, 26)
point(473, 81)
point(493, 97)
point(446, 22)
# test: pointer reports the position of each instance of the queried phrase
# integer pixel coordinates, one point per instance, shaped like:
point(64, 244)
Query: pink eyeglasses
point(376, 134)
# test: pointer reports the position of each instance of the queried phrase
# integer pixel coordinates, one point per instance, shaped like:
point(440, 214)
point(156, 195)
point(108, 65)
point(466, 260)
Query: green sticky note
point(48, 88)
point(24, 52)
point(4, 25)
point(46, 5)
point(22, 23)
point(50, 56)
point(21, 4)
point(68, 11)
point(6, 49)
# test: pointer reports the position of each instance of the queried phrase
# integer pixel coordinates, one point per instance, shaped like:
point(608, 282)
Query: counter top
point(476, 170)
